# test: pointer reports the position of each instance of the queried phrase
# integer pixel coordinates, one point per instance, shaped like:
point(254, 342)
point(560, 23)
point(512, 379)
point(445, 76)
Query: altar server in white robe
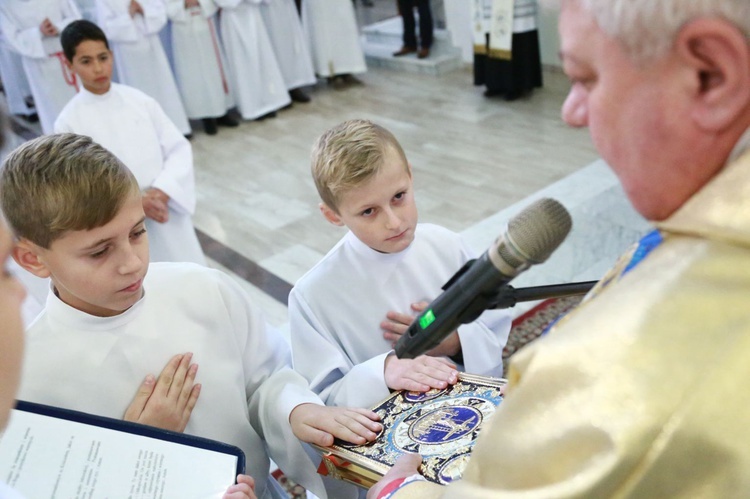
point(114, 319)
point(256, 78)
point(15, 84)
point(133, 30)
point(32, 29)
point(290, 45)
point(346, 312)
point(133, 126)
point(333, 36)
point(199, 61)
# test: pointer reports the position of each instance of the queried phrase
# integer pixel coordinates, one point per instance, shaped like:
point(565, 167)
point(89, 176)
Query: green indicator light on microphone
point(427, 319)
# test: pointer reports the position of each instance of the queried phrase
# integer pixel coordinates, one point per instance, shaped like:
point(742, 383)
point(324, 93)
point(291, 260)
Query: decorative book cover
point(441, 425)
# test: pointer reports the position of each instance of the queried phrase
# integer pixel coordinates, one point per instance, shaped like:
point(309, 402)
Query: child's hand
point(155, 204)
point(169, 402)
point(135, 8)
point(420, 374)
point(47, 28)
point(244, 489)
point(319, 424)
point(396, 325)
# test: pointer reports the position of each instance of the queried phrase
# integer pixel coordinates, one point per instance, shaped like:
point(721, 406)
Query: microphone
point(530, 239)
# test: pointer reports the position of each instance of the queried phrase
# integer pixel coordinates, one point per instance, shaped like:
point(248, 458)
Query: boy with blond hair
point(348, 311)
point(77, 213)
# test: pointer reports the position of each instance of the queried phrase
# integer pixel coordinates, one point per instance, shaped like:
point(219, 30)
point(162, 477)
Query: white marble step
point(382, 39)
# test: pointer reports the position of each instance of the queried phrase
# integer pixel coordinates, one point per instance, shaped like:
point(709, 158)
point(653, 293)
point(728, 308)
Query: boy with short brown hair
point(101, 333)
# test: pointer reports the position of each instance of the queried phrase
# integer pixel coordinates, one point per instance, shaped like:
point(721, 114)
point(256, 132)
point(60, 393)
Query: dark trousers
point(406, 8)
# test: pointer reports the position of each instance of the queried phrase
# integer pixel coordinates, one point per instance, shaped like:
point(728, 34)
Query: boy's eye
point(368, 212)
point(100, 253)
point(138, 233)
point(400, 196)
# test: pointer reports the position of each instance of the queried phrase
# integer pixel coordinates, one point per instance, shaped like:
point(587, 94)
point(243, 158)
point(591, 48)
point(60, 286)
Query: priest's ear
point(27, 255)
point(718, 56)
point(330, 214)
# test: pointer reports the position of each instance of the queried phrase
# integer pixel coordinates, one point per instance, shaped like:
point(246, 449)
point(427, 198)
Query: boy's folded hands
point(319, 424)
point(167, 402)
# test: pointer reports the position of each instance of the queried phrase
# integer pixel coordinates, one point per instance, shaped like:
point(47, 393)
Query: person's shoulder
point(327, 268)
point(435, 234)
point(131, 92)
point(182, 275)
point(68, 112)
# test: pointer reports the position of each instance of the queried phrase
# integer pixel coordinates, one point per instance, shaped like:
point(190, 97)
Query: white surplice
point(15, 84)
point(336, 308)
point(139, 55)
point(199, 62)
point(248, 388)
point(52, 84)
point(254, 71)
point(134, 128)
point(333, 37)
point(289, 42)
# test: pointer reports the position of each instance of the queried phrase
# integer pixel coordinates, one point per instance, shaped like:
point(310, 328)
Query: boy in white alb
point(255, 75)
point(199, 63)
point(133, 126)
point(111, 318)
point(290, 46)
point(333, 37)
point(133, 27)
point(32, 29)
point(347, 312)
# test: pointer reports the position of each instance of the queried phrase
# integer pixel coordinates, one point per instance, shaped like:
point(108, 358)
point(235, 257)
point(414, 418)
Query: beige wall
point(548, 37)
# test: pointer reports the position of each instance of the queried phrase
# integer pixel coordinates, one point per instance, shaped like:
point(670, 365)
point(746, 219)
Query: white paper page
point(45, 457)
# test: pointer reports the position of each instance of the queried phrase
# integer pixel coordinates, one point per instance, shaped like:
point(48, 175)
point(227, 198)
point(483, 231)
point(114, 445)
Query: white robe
point(289, 42)
point(15, 85)
point(139, 55)
point(335, 311)
point(134, 128)
point(200, 65)
point(255, 75)
point(333, 37)
point(248, 388)
point(52, 84)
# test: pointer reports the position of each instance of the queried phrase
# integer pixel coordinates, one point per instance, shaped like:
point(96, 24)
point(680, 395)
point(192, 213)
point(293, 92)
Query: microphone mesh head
point(537, 231)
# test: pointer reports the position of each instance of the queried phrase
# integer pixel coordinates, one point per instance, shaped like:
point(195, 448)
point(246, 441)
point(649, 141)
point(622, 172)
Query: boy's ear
point(26, 254)
point(68, 64)
point(330, 215)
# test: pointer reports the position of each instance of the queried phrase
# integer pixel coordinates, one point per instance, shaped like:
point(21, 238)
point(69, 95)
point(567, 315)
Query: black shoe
point(272, 114)
point(228, 121)
point(337, 82)
point(350, 79)
point(209, 126)
point(297, 95)
point(189, 136)
point(31, 118)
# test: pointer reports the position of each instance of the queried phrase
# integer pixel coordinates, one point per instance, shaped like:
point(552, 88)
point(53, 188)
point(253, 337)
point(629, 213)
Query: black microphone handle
point(508, 296)
point(461, 303)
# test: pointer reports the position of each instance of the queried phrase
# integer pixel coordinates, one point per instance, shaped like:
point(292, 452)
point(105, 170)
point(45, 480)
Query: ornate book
point(441, 425)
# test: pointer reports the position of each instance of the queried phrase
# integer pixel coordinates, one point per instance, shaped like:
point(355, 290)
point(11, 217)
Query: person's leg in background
point(425, 27)
point(406, 9)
